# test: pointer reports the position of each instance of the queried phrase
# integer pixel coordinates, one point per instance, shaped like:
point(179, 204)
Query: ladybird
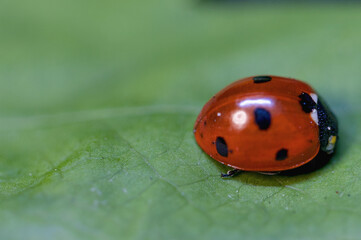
point(266, 124)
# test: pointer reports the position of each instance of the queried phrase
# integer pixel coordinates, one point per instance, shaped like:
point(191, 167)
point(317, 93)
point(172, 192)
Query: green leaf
point(98, 102)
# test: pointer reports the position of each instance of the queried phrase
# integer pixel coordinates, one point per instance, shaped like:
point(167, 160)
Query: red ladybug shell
point(258, 124)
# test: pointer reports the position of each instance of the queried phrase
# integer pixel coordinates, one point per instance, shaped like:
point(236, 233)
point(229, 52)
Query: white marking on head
point(219, 114)
point(314, 97)
point(329, 148)
point(331, 144)
point(314, 116)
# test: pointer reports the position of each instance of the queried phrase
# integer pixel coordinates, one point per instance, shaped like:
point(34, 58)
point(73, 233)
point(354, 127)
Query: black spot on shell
point(307, 103)
point(201, 135)
point(263, 118)
point(261, 79)
point(221, 147)
point(205, 123)
point(282, 154)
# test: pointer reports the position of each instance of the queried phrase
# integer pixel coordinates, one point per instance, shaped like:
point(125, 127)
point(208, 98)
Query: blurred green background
point(98, 101)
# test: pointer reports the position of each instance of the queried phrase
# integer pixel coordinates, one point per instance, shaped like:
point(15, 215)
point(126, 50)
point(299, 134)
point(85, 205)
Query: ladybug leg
point(231, 173)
